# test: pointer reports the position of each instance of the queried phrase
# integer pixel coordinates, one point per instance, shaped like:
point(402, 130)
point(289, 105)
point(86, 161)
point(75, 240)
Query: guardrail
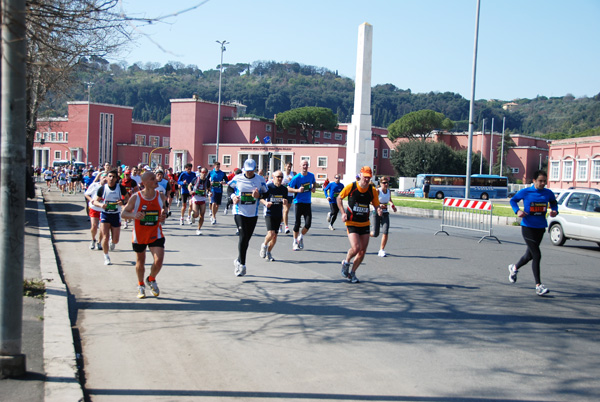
point(467, 214)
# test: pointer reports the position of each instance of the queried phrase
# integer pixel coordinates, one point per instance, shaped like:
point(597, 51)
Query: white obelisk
point(360, 146)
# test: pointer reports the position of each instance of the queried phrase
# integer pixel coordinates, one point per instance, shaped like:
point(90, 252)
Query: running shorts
point(140, 248)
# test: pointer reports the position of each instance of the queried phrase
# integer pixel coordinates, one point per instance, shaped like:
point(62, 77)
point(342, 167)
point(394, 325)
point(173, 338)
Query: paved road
point(437, 320)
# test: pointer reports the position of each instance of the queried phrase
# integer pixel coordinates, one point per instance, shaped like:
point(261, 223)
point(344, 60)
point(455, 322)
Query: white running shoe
point(240, 270)
point(345, 269)
point(141, 292)
point(512, 273)
point(225, 212)
point(328, 216)
point(214, 221)
point(541, 290)
point(280, 229)
point(107, 260)
point(153, 287)
point(301, 243)
point(331, 227)
point(92, 244)
point(269, 257)
point(382, 253)
point(112, 246)
point(295, 246)
point(198, 232)
point(287, 230)
point(181, 221)
point(192, 221)
point(209, 212)
point(263, 251)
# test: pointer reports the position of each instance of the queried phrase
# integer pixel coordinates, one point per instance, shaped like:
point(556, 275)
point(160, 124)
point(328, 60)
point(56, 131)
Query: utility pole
point(492, 147)
point(471, 107)
point(12, 187)
point(481, 148)
point(87, 144)
point(502, 152)
point(222, 43)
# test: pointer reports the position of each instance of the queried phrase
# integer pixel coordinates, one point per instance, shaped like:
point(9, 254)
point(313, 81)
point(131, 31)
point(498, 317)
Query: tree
point(308, 120)
point(419, 124)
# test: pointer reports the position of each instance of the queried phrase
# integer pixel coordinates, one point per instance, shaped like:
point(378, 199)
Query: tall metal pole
point(471, 107)
point(502, 152)
point(492, 146)
point(12, 187)
point(481, 148)
point(222, 43)
point(87, 144)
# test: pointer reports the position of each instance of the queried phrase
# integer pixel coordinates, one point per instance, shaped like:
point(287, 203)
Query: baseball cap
point(199, 167)
point(249, 165)
point(127, 171)
point(366, 171)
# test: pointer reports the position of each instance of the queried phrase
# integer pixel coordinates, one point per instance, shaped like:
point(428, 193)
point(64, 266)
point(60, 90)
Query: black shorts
point(216, 198)
point(273, 222)
point(361, 230)
point(140, 248)
point(185, 197)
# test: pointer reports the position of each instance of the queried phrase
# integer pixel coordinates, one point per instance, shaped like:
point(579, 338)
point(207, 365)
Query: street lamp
point(87, 146)
point(222, 43)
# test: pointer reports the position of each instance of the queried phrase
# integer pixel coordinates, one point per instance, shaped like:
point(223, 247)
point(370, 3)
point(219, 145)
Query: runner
point(110, 198)
point(135, 175)
point(217, 179)
point(164, 187)
point(48, 177)
point(248, 189)
point(94, 212)
point(275, 199)
point(303, 184)
point(131, 186)
point(147, 209)
point(62, 181)
point(185, 178)
point(288, 175)
point(199, 188)
point(332, 190)
point(172, 177)
point(229, 189)
point(360, 195)
point(533, 225)
point(382, 223)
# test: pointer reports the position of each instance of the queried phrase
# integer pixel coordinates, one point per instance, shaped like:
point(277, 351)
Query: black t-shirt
point(276, 195)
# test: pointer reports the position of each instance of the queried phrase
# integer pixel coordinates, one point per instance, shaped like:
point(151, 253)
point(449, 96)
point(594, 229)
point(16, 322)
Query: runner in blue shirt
point(185, 178)
point(303, 185)
point(332, 190)
point(217, 179)
point(533, 225)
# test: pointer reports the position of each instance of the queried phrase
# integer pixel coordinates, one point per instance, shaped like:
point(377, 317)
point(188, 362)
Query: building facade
point(574, 162)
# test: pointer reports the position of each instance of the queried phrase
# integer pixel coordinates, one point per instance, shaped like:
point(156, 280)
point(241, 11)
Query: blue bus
point(483, 186)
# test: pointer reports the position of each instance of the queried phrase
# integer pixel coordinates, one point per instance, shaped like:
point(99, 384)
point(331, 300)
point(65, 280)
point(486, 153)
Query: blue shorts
point(113, 219)
point(216, 198)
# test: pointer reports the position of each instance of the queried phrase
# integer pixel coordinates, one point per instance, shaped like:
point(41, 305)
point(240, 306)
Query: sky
point(526, 48)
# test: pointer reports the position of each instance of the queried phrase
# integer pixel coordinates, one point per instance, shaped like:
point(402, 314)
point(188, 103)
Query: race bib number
point(247, 199)
point(111, 206)
point(150, 218)
point(335, 195)
point(277, 199)
point(217, 184)
point(360, 209)
point(306, 186)
point(538, 208)
point(201, 193)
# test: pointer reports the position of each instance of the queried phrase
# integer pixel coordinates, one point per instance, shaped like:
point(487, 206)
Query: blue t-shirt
point(535, 205)
point(216, 179)
point(303, 181)
point(332, 190)
point(187, 178)
point(87, 180)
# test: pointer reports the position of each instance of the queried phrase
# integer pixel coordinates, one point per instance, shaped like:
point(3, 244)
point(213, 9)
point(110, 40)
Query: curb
point(60, 365)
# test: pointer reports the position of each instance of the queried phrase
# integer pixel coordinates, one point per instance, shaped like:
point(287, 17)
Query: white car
point(578, 217)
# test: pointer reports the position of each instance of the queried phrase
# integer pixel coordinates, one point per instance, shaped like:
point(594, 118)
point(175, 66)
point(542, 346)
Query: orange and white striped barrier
point(467, 214)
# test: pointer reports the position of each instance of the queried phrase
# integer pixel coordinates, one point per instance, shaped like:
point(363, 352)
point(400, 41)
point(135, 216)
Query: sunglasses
point(384, 182)
point(278, 177)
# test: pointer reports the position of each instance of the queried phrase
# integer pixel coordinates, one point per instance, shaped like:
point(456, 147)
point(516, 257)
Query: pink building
point(574, 162)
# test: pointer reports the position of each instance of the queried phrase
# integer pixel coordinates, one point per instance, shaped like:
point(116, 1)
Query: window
point(52, 136)
point(212, 158)
point(322, 161)
point(575, 201)
point(56, 154)
point(156, 159)
point(166, 142)
point(292, 131)
point(317, 134)
point(154, 141)
point(554, 170)
point(384, 153)
point(279, 141)
point(66, 136)
point(140, 139)
point(593, 203)
point(226, 159)
point(60, 136)
point(374, 169)
point(326, 135)
point(338, 136)
point(567, 170)
point(303, 142)
point(38, 136)
point(321, 176)
point(596, 170)
point(582, 167)
point(291, 141)
point(305, 158)
point(166, 159)
point(145, 158)
point(514, 170)
point(46, 136)
point(375, 153)
point(268, 128)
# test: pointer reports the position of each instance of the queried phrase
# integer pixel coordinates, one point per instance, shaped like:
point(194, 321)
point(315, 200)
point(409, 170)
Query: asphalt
point(436, 320)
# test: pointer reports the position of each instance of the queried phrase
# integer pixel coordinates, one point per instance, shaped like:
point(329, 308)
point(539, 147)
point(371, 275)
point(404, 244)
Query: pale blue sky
point(526, 47)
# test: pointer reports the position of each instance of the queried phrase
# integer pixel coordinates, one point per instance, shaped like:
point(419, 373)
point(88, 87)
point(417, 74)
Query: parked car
point(578, 217)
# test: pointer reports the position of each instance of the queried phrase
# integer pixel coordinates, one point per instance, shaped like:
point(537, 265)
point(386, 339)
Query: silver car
point(578, 217)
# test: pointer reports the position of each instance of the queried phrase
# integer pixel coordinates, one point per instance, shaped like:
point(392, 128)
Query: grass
point(34, 288)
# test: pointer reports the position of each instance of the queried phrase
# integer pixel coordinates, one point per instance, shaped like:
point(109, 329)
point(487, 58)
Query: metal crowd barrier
point(467, 214)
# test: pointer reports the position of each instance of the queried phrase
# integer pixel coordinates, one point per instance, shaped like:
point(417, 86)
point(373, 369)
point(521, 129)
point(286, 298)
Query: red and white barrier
point(467, 203)
point(467, 214)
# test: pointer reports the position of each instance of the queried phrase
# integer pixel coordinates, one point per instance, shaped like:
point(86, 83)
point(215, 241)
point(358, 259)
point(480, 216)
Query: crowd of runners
point(145, 198)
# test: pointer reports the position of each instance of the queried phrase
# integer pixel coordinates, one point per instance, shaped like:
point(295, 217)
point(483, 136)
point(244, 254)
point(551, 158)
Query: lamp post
point(222, 43)
point(87, 145)
point(471, 106)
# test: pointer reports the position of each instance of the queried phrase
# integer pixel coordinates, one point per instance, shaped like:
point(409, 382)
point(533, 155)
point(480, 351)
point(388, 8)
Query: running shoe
point(263, 251)
point(328, 216)
point(240, 270)
point(541, 290)
point(192, 220)
point(269, 257)
point(153, 287)
point(99, 246)
point(141, 292)
point(382, 253)
point(199, 232)
point(125, 225)
point(295, 246)
point(92, 244)
point(214, 221)
point(301, 243)
point(112, 246)
point(345, 269)
point(512, 273)
point(331, 227)
point(107, 260)
point(352, 278)
point(280, 229)
point(181, 221)
point(287, 230)
point(209, 212)
point(225, 212)
point(237, 232)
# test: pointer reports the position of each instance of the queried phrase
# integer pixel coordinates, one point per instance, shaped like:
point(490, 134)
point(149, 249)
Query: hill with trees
point(268, 88)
